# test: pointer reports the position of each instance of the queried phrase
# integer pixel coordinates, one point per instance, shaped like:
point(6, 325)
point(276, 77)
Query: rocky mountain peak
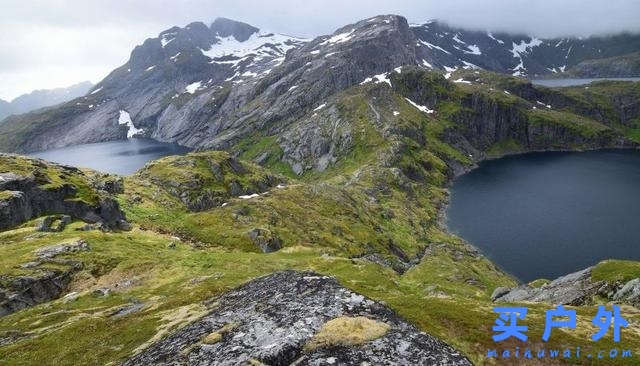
point(224, 27)
point(207, 86)
point(368, 29)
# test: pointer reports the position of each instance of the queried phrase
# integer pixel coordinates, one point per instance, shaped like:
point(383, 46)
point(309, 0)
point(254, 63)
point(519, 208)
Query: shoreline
point(442, 218)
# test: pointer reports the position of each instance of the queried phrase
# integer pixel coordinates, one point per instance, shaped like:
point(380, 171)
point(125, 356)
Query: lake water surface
point(118, 157)
point(574, 82)
point(543, 215)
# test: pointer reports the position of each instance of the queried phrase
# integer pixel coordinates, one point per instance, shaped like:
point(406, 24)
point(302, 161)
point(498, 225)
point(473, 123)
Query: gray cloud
point(50, 43)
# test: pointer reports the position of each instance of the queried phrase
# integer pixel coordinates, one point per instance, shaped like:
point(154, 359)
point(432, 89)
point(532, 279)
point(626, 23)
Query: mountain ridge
point(41, 98)
point(201, 86)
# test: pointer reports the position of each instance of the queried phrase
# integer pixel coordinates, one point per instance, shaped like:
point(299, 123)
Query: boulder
point(55, 250)
point(54, 223)
point(629, 293)
point(26, 291)
point(266, 240)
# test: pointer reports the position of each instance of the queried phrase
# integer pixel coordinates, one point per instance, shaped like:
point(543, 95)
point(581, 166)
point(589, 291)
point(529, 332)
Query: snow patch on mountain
point(125, 119)
point(449, 70)
point(433, 46)
point(380, 78)
point(457, 39)
point(520, 49)
point(490, 35)
point(524, 47)
point(470, 66)
point(191, 88)
point(164, 42)
point(421, 108)
point(474, 50)
point(462, 81)
point(259, 44)
point(339, 38)
point(320, 107)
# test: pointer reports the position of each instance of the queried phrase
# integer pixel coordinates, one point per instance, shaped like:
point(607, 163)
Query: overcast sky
point(53, 43)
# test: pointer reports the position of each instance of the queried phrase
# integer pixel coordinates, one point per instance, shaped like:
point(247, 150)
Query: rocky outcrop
point(26, 291)
point(629, 293)
point(573, 289)
point(577, 288)
point(298, 318)
point(55, 223)
point(55, 250)
point(20, 292)
point(208, 179)
point(265, 239)
point(24, 197)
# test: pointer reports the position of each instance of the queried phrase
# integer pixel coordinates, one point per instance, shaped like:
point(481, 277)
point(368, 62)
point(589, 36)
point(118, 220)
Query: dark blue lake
point(118, 157)
point(543, 215)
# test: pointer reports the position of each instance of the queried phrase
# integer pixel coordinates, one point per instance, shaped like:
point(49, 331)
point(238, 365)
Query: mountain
point(4, 108)
point(316, 235)
point(43, 98)
point(520, 55)
point(618, 66)
point(206, 86)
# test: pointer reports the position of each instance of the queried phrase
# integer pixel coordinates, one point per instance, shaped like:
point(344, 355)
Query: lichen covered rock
point(298, 318)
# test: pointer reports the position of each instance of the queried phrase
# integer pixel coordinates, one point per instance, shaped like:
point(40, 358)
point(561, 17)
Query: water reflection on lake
point(118, 157)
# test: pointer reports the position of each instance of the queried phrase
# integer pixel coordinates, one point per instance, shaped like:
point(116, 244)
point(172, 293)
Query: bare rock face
point(25, 291)
point(298, 318)
point(629, 293)
point(208, 86)
point(573, 289)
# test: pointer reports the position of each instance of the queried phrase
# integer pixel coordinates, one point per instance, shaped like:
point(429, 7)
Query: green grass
point(579, 125)
point(616, 271)
point(507, 146)
point(254, 146)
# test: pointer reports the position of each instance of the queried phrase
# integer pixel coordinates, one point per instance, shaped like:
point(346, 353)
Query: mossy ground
point(51, 176)
point(173, 282)
point(347, 331)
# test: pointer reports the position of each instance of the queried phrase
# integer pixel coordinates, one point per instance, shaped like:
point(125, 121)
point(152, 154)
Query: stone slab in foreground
point(295, 318)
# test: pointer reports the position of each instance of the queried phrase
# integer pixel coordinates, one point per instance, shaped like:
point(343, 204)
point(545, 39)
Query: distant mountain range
point(210, 86)
point(43, 98)
point(523, 55)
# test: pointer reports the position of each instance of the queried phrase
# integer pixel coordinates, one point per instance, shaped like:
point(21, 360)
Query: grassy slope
point(387, 189)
